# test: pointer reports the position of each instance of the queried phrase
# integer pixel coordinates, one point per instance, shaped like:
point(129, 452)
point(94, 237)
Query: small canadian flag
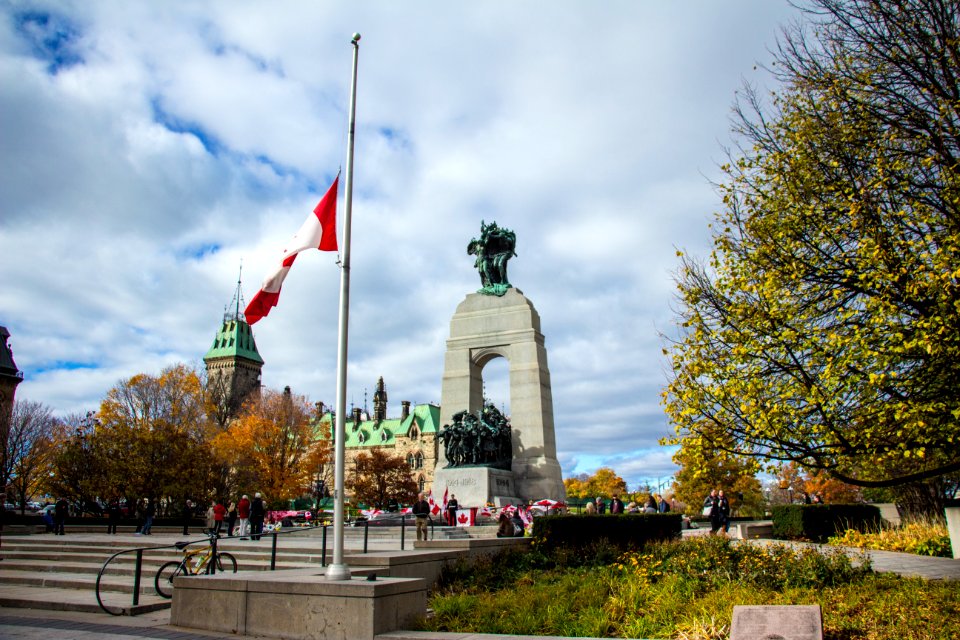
point(467, 517)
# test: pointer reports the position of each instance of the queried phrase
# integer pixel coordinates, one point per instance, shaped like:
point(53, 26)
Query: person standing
point(148, 512)
point(231, 518)
point(601, 506)
point(209, 519)
point(186, 516)
point(113, 516)
point(452, 506)
point(243, 512)
point(616, 505)
point(60, 516)
point(421, 510)
point(257, 513)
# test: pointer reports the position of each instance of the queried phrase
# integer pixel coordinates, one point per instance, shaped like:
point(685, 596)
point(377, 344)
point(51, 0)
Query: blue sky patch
point(198, 251)
point(182, 125)
point(52, 38)
point(59, 365)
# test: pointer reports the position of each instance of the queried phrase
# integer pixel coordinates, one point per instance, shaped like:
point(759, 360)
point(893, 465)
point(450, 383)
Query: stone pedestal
point(953, 527)
point(475, 486)
point(487, 327)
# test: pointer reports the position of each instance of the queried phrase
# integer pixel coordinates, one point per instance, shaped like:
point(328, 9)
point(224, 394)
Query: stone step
point(57, 599)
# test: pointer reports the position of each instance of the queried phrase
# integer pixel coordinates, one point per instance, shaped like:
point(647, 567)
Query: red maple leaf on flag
point(463, 518)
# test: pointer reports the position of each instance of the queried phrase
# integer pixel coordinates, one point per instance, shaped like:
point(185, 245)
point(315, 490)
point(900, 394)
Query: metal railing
point(273, 534)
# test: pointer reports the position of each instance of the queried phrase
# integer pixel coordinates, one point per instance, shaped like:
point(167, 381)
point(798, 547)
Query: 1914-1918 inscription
point(786, 622)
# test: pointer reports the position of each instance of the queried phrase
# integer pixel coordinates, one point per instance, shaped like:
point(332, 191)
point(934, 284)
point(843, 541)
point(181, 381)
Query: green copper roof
point(383, 433)
point(234, 340)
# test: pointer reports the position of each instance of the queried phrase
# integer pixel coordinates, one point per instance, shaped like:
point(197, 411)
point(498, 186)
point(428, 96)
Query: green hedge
point(817, 522)
point(621, 531)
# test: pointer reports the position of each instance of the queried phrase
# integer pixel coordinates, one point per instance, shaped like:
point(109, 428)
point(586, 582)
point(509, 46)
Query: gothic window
point(418, 460)
point(414, 433)
point(360, 437)
point(410, 460)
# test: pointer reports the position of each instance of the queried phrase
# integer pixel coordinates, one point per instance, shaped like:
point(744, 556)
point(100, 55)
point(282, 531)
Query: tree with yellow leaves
point(273, 447)
point(825, 328)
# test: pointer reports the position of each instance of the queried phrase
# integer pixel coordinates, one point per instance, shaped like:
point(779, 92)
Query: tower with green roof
point(233, 362)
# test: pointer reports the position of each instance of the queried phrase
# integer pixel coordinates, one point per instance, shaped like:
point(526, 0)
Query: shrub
point(817, 522)
point(621, 532)
point(924, 538)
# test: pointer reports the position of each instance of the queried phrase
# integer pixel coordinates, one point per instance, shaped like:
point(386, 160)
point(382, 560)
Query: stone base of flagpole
point(338, 572)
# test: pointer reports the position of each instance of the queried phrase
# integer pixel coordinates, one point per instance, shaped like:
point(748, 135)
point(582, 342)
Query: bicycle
point(194, 563)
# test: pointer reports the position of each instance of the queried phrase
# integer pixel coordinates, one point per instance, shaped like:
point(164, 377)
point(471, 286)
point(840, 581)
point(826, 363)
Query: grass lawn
point(686, 590)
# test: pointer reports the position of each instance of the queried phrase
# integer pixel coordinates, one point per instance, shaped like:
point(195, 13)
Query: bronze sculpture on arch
point(493, 249)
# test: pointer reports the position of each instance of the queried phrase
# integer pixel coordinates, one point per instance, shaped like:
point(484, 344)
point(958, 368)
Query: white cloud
point(146, 148)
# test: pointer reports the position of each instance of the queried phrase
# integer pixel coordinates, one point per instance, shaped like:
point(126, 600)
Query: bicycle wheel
point(163, 583)
point(226, 562)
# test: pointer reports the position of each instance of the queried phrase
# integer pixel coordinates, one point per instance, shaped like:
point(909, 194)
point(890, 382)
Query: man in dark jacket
point(421, 509)
point(257, 513)
point(187, 516)
point(59, 516)
point(616, 505)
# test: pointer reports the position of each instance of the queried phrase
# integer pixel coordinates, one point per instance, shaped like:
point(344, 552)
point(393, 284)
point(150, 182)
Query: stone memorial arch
point(488, 325)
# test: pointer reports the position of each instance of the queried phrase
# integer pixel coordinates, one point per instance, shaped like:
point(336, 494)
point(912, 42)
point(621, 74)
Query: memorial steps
point(43, 571)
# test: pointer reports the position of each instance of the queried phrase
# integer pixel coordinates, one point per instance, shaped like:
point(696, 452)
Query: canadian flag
point(467, 517)
point(319, 231)
point(434, 507)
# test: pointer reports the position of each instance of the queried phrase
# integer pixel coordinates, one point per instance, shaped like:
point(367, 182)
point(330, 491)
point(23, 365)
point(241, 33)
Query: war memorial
point(484, 459)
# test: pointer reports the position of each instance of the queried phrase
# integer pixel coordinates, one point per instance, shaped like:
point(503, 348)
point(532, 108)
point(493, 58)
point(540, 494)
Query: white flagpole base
point(338, 572)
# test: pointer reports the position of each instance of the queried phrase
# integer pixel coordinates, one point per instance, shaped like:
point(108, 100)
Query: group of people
point(654, 503)
point(249, 513)
point(717, 507)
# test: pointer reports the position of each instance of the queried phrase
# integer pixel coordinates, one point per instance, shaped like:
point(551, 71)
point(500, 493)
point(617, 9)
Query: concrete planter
point(953, 527)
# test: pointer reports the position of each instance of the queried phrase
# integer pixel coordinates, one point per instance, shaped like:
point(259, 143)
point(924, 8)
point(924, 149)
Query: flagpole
point(339, 570)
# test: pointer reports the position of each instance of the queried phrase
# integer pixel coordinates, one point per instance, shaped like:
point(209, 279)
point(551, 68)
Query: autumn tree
point(379, 477)
point(273, 446)
point(604, 482)
point(76, 471)
point(825, 327)
point(151, 438)
point(28, 449)
point(702, 471)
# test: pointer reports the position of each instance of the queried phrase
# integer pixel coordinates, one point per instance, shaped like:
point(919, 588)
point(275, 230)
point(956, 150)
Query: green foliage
point(922, 538)
point(824, 329)
point(574, 533)
point(686, 589)
point(817, 522)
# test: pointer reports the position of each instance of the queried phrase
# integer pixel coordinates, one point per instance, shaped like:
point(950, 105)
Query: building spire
point(237, 302)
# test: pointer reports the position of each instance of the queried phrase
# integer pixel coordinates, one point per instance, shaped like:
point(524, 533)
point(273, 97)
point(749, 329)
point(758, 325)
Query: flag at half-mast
point(319, 231)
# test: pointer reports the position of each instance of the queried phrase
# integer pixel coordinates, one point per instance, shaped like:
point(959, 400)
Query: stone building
point(412, 435)
point(10, 377)
point(233, 363)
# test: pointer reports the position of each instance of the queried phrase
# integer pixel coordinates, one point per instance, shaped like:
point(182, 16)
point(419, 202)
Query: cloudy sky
point(147, 148)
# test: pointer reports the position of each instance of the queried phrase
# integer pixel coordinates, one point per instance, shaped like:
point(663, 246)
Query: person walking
point(257, 513)
point(452, 506)
point(231, 518)
point(421, 510)
point(711, 508)
point(724, 506)
point(219, 513)
point(243, 512)
point(60, 516)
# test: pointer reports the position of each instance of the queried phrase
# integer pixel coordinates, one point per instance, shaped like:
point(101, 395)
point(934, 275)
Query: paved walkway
point(32, 624)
